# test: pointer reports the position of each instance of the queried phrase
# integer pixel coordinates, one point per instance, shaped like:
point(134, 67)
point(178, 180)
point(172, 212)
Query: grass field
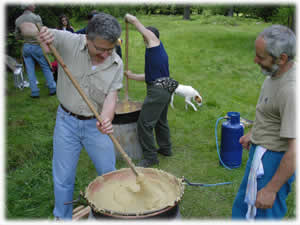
point(213, 54)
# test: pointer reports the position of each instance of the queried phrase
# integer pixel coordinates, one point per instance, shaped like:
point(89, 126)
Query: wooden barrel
point(126, 134)
point(125, 129)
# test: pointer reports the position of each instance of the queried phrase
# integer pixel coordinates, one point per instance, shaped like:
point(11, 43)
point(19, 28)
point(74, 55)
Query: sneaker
point(165, 152)
point(26, 84)
point(148, 163)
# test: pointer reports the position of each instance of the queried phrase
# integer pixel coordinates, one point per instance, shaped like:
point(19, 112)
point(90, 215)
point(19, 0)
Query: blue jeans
point(70, 135)
point(32, 53)
point(271, 161)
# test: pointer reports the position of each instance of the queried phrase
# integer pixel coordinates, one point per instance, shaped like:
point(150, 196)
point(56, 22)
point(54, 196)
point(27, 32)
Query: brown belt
point(77, 116)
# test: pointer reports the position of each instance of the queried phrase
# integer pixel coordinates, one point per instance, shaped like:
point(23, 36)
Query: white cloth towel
point(256, 171)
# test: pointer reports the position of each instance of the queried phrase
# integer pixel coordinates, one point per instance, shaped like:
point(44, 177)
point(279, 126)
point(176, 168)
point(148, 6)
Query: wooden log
point(84, 213)
point(77, 209)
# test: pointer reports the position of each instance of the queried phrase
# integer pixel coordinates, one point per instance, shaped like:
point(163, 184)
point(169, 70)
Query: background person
point(64, 24)
point(273, 136)
point(26, 28)
point(99, 71)
point(153, 115)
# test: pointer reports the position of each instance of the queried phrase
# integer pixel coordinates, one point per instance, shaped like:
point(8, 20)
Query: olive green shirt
point(275, 120)
point(96, 82)
point(28, 17)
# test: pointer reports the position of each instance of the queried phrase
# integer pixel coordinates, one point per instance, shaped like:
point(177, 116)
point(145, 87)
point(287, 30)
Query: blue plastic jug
point(231, 150)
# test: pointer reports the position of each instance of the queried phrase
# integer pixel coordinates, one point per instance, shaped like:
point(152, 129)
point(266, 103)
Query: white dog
point(189, 93)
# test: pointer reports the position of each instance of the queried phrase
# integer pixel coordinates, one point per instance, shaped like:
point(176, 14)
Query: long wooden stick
point(44, 52)
point(46, 56)
point(126, 59)
point(92, 108)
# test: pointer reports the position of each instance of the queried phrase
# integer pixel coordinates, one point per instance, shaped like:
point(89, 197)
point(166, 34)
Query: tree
point(230, 11)
point(187, 12)
point(286, 16)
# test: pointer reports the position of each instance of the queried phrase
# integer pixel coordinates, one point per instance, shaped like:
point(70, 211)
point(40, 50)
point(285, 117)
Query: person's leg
point(66, 151)
point(271, 161)
point(162, 132)
point(240, 208)
point(30, 68)
point(99, 147)
point(39, 56)
point(152, 108)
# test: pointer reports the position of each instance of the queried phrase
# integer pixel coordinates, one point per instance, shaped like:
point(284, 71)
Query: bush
point(286, 16)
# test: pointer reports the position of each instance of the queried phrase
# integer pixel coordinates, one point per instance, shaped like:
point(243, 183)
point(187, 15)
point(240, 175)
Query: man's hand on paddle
point(45, 37)
point(130, 18)
point(105, 127)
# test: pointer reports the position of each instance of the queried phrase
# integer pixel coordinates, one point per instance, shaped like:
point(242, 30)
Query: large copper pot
point(121, 176)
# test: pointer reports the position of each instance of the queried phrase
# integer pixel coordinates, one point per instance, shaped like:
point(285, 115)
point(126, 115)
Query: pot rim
point(139, 214)
point(136, 215)
point(138, 104)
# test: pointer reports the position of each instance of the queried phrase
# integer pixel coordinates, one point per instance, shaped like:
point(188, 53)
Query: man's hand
point(130, 18)
point(265, 199)
point(128, 74)
point(105, 127)
point(45, 36)
point(245, 141)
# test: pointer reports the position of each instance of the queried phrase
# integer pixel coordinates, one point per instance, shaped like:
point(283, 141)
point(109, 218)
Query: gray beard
point(272, 72)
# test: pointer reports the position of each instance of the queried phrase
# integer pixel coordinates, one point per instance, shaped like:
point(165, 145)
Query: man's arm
point(28, 29)
point(133, 76)
point(108, 112)
point(150, 37)
point(266, 196)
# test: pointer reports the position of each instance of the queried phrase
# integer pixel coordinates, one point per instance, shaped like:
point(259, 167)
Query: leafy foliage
point(282, 14)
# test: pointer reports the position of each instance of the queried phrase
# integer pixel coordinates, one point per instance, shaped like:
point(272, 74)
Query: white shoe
point(25, 83)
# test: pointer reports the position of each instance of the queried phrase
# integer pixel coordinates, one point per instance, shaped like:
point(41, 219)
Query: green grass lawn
point(213, 54)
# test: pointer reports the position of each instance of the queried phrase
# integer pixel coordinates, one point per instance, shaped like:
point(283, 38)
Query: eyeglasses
point(102, 50)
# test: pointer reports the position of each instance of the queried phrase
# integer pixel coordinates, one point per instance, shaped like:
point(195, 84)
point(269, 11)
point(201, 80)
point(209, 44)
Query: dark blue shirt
point(81, 31)
point(156, 63)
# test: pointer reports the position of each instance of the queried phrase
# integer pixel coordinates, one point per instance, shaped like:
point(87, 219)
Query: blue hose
point(205, 185)
point(217, 184)
point(217, 144)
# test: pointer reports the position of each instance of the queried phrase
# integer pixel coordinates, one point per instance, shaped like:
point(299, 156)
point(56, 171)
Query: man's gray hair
point(279, 39)
point(25, 6)
point(104, 26)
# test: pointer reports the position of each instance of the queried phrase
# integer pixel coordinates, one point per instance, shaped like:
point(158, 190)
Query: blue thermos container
point(231, 150)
